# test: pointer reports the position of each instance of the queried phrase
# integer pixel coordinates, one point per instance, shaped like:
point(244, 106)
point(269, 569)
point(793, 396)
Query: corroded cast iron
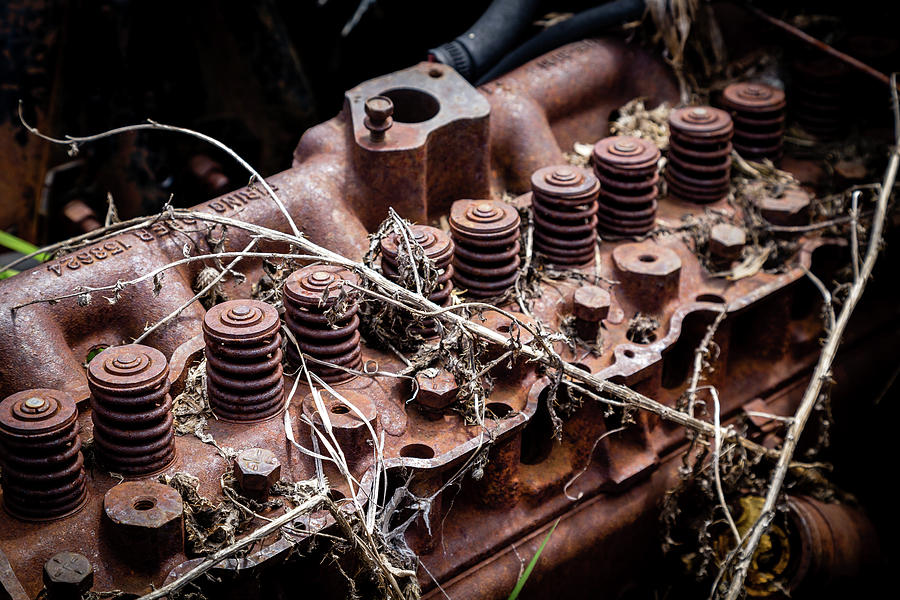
point(564, 201)
point(627, 169)
point(438, 247)
point(758, 113)
point(43, 469)
point(817, 95)
point(309, 293)
point(244, 377)
point(486, 233)
point(699, 154)
point(131, 409)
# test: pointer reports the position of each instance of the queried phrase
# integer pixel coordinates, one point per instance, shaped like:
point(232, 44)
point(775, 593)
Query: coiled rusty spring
point(699, 168)
point(309, 293)
point(439, 248)
point(564, 201)
point(628, 173)
point(757, 110)
point(244, 376)
point(486, 234)
point(40, 452)
point(131, 410)
point(818, 96)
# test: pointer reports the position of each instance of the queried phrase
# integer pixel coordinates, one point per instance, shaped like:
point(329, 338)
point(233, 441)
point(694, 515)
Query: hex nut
point(649, 274)
point(67, 575)
point(256, 471)
point(145, 520)
point(351, 426)
point(726, 242)
point(436, 392)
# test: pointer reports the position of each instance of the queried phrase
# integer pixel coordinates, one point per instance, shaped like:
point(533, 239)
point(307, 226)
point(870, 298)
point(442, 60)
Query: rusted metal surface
point(438, 247)
point(309, 293)
point(131, 410)
point(244, 374)
point(757, 110)
point(340, 187)
point(627, 169)
point(486, 259)
point(43, 468)
point(700, 146)
point(564, 203)
point(836, 541)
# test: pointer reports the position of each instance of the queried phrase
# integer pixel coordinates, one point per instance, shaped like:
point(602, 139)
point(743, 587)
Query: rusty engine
point(175, 384)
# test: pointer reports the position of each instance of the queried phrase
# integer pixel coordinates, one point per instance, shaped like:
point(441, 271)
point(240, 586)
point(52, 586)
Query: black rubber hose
point(580, 26)
point(474, 51)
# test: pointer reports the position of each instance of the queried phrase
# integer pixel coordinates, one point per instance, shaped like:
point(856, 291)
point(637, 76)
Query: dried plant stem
point(229, 551)
point(73, 143)
point(822, 371)
point(198, 295)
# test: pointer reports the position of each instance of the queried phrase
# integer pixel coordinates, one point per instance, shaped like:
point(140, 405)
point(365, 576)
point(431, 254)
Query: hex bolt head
point(792, 208)
point(436, 392)
point(378, 116)
point(591, 303)
point(67, 575)
point(591, 306)
point(256, 471)
point(726, 241)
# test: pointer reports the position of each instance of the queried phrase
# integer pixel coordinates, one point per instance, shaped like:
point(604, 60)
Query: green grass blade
point(8, 240)
point(527, 572)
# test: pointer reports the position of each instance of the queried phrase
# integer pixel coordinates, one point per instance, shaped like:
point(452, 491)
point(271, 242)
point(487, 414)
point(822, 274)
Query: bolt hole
point(144, 503)
point(340, 409)
point(435, 73)
point(629, 353)
point(499, 409)
point(714, 298)
point(417, 451)
point(412, 105)
point(647, 258)
point(504, 328)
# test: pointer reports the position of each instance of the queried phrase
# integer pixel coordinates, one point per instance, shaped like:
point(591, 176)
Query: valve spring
point(486, 234)
point(758, 113)
point(564, 205)
point(627, 168)
point(132, 410)
point(438, 247)
point(43, 468)
point(699, 154)
point(817, 95)
point(244, 376)
point(308, 294)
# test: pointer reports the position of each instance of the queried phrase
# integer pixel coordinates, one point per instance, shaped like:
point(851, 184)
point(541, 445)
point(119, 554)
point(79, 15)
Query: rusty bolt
point(378, 117)
point(591, 304)
point(436, 392)
point(145, 519)
point(256, 471)
point(726, 241)
point(67, 575)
